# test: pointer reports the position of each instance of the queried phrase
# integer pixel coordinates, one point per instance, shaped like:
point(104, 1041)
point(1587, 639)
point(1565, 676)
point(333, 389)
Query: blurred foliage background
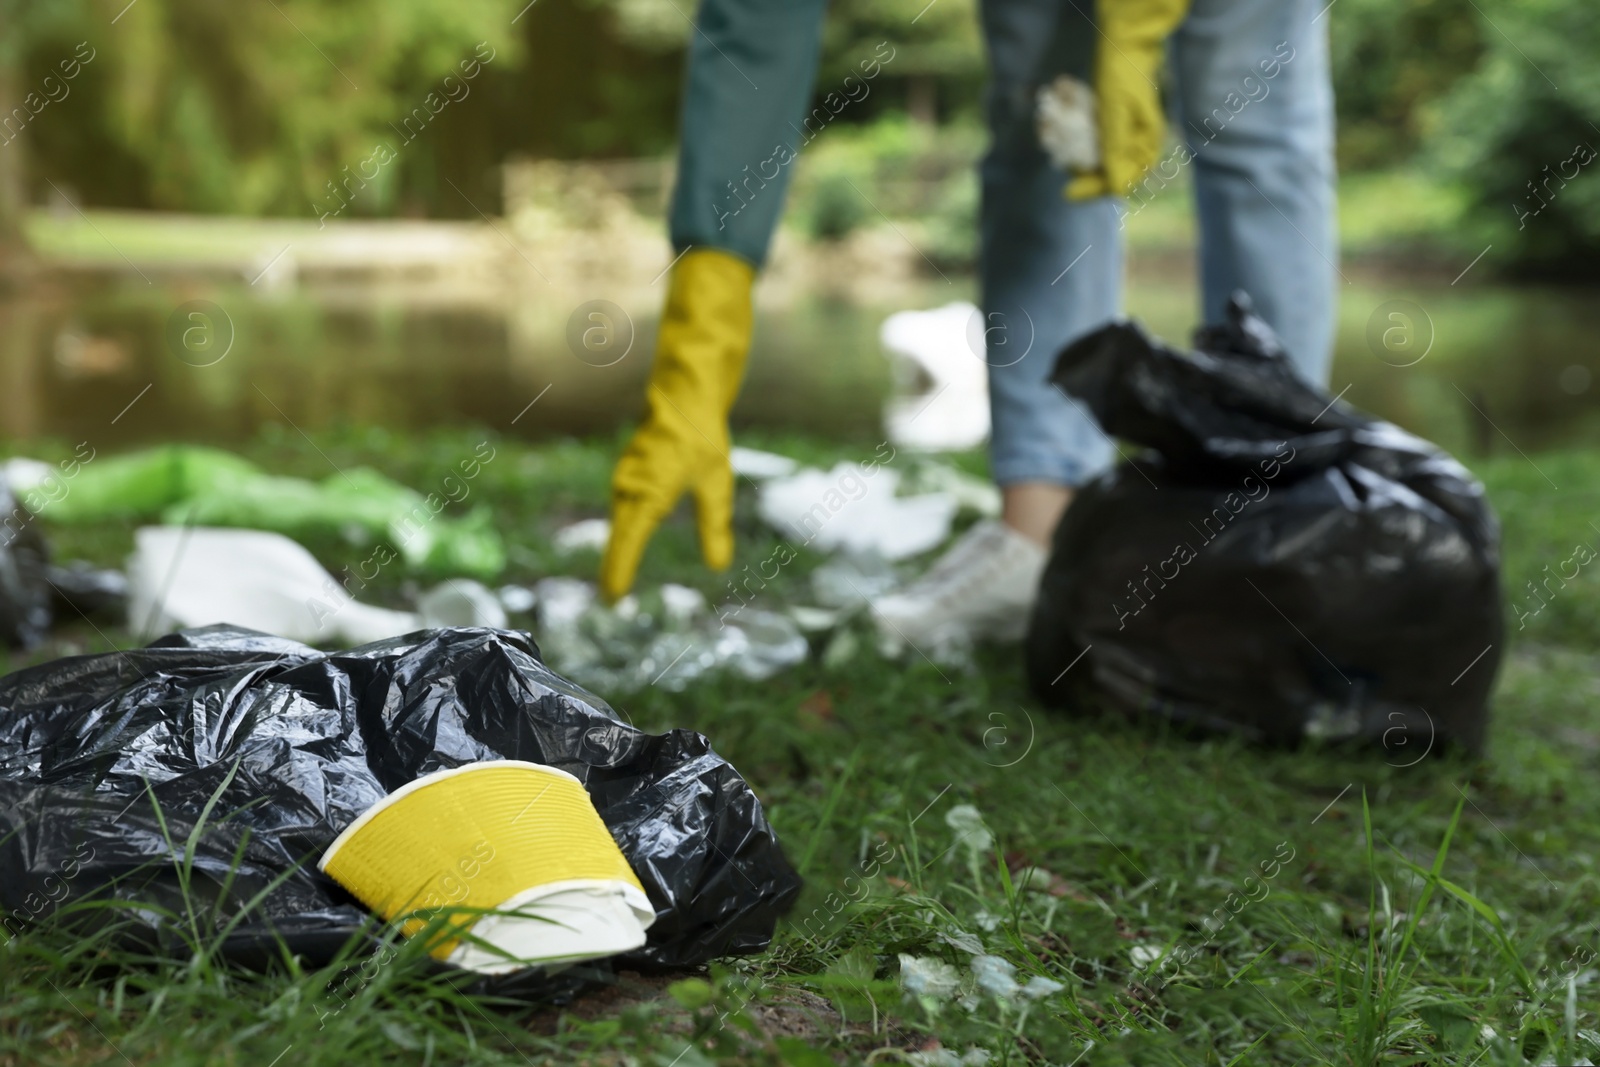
point(256, 107)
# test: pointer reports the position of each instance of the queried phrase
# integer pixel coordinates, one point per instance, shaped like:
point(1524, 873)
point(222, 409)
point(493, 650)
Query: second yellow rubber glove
point(1133, 36)
point(682, 445)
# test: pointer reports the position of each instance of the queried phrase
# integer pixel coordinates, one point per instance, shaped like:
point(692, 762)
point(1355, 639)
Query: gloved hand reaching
point(683, 442)
point(1126, 105)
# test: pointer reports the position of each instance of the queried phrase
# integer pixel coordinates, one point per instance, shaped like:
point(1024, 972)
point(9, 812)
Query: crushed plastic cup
point(510, 855)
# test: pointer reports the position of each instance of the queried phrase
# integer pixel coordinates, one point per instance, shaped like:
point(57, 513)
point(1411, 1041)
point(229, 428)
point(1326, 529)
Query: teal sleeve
point(752, 66)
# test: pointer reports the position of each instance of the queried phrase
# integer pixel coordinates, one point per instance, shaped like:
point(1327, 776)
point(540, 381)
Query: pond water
point(1477, 369)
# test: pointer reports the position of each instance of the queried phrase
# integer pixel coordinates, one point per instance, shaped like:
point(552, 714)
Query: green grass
point(1411, 910)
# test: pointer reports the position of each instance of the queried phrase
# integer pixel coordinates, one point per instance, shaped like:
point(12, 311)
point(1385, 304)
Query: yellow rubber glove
point(683, 442)
point(1133, 36)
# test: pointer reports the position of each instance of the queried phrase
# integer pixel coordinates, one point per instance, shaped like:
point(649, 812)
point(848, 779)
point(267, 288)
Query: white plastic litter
point(941, 349)
point(671, 636)
point(1065, 119)
point(681, 604)
point(460, 602)
point(195, 576)
point(944, 1057)
point(972, 833)
point(667, 637)
point(23, 474)
point(755, 464)
point(584, 535)
point(561, 602)
point(515, 598)
point(840, 649)
point(963, 940)
point(574, 922)
point(852, 580)
point(814, 620)
point(1143, 956)
point(926, 977)
point(848, 508)
point(995, 976)
point(1039, 986)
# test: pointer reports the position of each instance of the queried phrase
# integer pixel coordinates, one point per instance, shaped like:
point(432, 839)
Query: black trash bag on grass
point(25, 603)
point(295, 744)
point(34, 591)
point(1278, 566)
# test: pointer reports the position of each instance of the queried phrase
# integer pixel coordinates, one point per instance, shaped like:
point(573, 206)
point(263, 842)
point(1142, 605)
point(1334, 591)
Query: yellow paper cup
point(512, 852)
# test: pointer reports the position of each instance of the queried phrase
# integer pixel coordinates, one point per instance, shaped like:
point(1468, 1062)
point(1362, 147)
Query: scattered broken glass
point(666, 636)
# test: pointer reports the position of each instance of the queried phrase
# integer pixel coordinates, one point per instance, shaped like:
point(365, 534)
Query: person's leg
point(751, 70)
point(1034, 509)
point(1050, 269)
point(1255, 102)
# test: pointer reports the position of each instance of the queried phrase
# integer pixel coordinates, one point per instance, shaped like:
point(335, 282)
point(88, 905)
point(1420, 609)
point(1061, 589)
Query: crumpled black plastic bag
point(1279, 567)
point(312, 739)
point(80, 588)
point(25, 604)
point(34, 591)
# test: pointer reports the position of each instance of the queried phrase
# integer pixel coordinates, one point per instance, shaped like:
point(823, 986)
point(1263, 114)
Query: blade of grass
point(1240, 973)
point(1437, 868)
point(1249, 1050)
point(1368, 1012)
point(823, 820)
point(1483, 909)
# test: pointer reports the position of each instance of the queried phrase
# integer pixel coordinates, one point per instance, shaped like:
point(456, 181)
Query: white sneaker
point(981, 589)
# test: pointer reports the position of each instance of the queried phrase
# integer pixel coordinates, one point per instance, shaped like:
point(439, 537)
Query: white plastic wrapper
point(585, 535)
point(938, 356)
point(848, 508)
point(757, 465)
point(181, 577)
point(1065, 121)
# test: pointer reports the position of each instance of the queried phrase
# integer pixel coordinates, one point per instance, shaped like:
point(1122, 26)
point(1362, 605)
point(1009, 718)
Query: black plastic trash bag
point(25, 605)
point(1279, 567)
point(79, 588)
point(312, 740)
point(34, 591)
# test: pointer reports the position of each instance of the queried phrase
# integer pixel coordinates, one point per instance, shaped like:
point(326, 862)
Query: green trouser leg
point(752, 65)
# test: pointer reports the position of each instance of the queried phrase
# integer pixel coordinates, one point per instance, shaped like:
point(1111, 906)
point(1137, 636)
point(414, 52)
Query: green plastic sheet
point(188, 484)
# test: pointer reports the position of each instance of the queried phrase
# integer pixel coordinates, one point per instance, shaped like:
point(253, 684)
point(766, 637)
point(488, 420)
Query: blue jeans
point(1259, 150)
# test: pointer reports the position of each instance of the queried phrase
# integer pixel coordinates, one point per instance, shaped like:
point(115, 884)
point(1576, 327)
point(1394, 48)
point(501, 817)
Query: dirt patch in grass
point(780, 1013)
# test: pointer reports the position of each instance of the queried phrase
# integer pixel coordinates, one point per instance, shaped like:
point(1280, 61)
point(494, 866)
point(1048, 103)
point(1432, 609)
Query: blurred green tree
point(1522, 132)
point(276, 106)
point(20, 24)
point(938, 52)
point(1392, 64)
point(251, 107)
point(256, 107)
point(938, 64)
